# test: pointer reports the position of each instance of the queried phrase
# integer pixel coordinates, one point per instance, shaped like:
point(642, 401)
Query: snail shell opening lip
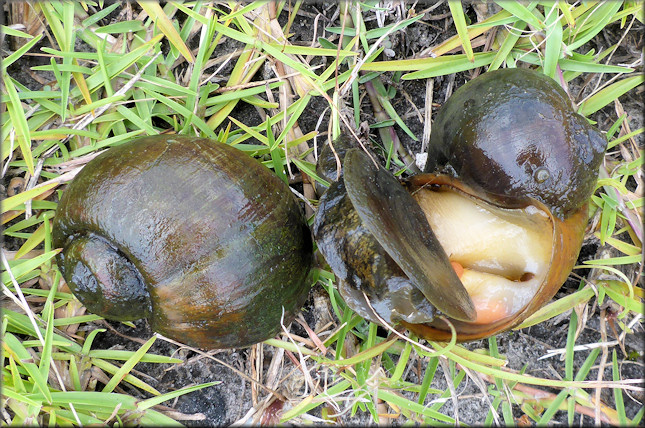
point(501, 255)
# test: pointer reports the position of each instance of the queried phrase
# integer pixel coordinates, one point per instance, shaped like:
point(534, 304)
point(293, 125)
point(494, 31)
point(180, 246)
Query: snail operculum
point(368, 278)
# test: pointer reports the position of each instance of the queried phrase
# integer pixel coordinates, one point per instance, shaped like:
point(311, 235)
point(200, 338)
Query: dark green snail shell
point(193, 234)
point(513, 133)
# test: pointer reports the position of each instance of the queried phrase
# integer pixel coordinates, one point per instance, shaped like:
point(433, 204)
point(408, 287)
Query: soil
point(231, 399)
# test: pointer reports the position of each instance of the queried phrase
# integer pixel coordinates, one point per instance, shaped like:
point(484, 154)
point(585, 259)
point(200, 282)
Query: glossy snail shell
point(513, 134)
point(509, 145)
point(193, 234)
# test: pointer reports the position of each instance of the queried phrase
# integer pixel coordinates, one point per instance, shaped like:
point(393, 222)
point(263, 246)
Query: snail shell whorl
point(513, 134)
point(105, 280)
point(218, 240)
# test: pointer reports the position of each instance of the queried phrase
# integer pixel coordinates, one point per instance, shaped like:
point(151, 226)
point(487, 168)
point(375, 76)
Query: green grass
point(149, 73)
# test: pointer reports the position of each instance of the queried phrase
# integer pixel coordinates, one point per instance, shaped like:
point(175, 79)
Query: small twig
point(303, 366)
point(477, 380)
point(303, 198)
point(538, 395)
point(125, 336)
point(427, 122)
point(73, 164)
point(314, 337)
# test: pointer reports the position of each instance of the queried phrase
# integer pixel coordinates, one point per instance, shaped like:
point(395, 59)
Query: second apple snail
point(488, 233)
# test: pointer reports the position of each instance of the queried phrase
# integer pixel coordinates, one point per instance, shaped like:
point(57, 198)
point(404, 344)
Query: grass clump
point(81, 77)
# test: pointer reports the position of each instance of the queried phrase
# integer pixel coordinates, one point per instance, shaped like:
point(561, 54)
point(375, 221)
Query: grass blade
point(146, 404)
point(22, 269)
point(558, 307)
point(22, 197)
point(521, 12)
point(553, 48)
point(156, 13)
point(19, 123)
point(34, 239)
point(365, 355)
point(599, 18)
point(460, 23)
point(452, 64)
point(609, 94)
point(6, 62)
point(565, 8)
point(402, 402)
point(618, 394)
point(507, 45)
point(129, 365)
